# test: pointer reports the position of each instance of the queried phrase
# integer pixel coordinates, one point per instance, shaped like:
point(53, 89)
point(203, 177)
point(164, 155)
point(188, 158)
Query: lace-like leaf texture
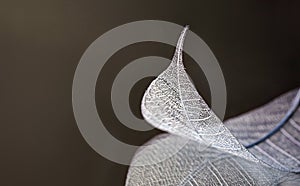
point(171, 103)
point(195, 165)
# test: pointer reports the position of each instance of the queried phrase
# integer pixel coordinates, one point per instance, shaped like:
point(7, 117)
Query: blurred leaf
point(281, 150)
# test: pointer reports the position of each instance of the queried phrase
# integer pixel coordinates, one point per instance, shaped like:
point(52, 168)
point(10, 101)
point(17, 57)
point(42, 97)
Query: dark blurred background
point(257, 44)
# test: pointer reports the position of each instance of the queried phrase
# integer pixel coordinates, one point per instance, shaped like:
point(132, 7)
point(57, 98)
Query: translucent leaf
point(172, 103)
point(197, 165)
point(212, 156)
point(281, 150)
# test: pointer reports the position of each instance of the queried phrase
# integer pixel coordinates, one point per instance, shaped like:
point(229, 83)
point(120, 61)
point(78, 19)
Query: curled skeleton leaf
point(211, 154)
point(282, 149)
point(172, 103)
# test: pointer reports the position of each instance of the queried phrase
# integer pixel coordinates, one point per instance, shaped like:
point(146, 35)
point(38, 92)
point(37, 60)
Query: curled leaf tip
point(171, 103)
point(177, 58)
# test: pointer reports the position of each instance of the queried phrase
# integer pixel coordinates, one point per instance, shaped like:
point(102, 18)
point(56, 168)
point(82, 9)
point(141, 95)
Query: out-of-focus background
point(257, 44)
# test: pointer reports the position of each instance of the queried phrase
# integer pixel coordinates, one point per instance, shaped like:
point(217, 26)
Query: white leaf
point(196, 165)
point(212, 156)
point(172, 103)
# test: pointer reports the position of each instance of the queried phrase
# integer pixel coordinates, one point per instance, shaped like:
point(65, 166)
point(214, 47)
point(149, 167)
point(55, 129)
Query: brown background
point(41, 42)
